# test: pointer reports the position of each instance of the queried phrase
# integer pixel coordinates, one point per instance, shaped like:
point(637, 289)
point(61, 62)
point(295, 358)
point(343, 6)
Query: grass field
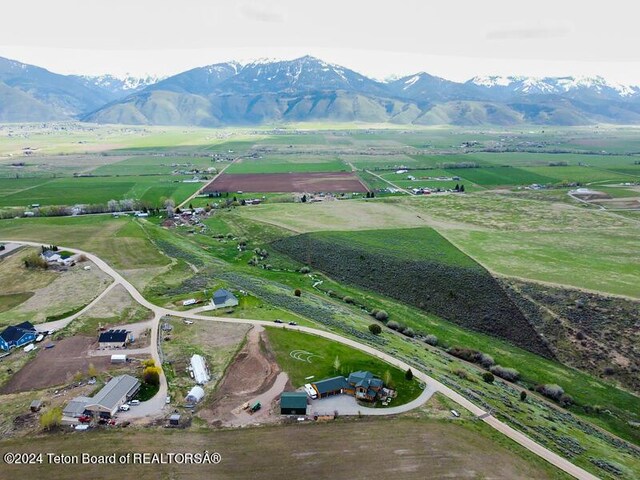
point(289, 163)
point(320, 363)
point(144, 165)
point(96, 190)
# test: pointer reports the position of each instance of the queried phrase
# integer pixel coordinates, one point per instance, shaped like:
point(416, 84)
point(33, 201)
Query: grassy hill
point(419, 267)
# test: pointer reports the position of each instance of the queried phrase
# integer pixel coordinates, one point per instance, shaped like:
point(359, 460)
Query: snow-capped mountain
point(593, 86)
point(121, 84)
point(309, 89)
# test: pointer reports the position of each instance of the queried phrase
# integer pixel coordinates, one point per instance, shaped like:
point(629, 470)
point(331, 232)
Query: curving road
point(157, 403)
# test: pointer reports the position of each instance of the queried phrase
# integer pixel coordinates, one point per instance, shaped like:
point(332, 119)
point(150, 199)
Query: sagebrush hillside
point(419, 267)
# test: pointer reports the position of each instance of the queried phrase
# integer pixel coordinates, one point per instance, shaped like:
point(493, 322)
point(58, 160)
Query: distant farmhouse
point(362, 385)
point(17, 335)
point(114, 339)
point(56, 258)
point(106, 402)
point(223, 298)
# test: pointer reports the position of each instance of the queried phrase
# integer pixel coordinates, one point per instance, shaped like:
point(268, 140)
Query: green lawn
point(7, 302)
point(289, 163)
point(500, 176)
point(147, 165)
point(321, 363)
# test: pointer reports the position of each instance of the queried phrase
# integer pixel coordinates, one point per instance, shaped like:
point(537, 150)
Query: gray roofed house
point(76, 407)
point(115, 393)
point(223, 298)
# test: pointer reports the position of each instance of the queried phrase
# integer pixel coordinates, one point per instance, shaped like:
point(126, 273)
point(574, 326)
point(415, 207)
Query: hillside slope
point(421, 268)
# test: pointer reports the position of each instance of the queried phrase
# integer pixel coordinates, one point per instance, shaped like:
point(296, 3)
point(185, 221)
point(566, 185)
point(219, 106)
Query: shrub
point(409, 332)
point(465, 354)
point(375, 329)
point(408, 374)
point(566, 400)
point(51, 418)
point(431, 340)
point(151, 375)
point(374, 312)
point(393, 325)
point(348, 299)
point(382, 316)
point(297, 292)
point(305, 269)
point(523, 395)
point(551, 390)
point(35, 261)
point(488, 377)
point(486, 360)
point(509, 374)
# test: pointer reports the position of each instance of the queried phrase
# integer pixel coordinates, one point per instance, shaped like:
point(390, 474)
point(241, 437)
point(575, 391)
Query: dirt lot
point(403, 448)
point(253, 371)
point(55, 366)
point(286, 182)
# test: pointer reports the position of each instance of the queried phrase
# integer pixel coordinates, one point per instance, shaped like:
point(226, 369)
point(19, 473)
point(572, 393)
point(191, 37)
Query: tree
point(113, 205)
point(373, 195)
point(523, 396)
point(297, 292)
point(304, 199)
point(92, 371)
point(51, 418)
point(382, 316)
point(190, 206)
point(488, 377)
point(337, 364)
point(462, 188)
point(408, 374)
point(431, 340)
point(457, 188)
point(387, 378)
point(393, 325)
point(375, 329)
point(151, 375)
point(409, 332)
point(149, 363)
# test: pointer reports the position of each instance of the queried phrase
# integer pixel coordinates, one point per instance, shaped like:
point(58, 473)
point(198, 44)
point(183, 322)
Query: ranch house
point(362, 385)
point(17, 335)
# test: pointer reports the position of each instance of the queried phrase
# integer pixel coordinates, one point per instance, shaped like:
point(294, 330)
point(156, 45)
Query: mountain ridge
point(310, 89)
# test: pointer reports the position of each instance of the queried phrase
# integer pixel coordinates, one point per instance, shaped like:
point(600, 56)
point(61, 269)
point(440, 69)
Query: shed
point(293, 403)
point(174, 419)
point(36, 405)
point(76, 407)
point(120, 358)
point(195, 395)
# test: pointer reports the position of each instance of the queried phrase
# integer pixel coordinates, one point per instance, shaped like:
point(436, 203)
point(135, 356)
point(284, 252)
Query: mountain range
point(308, 89)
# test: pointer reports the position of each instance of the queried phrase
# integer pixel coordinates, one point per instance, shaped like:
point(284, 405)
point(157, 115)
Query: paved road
point(154, 406)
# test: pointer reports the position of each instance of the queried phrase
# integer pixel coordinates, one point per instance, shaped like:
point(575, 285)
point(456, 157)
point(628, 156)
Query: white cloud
point(261, 12)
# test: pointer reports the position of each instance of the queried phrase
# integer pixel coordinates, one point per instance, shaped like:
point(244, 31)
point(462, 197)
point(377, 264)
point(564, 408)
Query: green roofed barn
point(293, 403)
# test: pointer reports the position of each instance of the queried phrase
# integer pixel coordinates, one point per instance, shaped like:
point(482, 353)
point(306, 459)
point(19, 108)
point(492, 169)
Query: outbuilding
point(199, 369)
point(36, 405)
point(174, 420)
point(120, 358)
point(293, 403)
point(114, 339)
point(223, 298)
point(195, 395)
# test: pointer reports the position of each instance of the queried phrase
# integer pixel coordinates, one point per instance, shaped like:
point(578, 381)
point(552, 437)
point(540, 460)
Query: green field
point(144, 165)
point(321, 364)
point(95, 190)
point(288, 163)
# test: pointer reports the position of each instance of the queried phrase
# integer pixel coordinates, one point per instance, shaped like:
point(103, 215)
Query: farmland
point(428, 261)
point(286, 182)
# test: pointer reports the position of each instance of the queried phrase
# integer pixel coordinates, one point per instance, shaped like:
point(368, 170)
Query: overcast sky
point(452, 38)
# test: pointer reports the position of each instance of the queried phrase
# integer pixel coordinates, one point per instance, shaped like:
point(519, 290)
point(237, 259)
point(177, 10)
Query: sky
point(453, 39)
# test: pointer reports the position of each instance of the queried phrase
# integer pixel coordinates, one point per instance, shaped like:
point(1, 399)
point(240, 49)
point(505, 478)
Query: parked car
point(455, 413)
point(292, 323)
point(134, 402)
point(167, 400)
point(277, 320)
point(124, 408)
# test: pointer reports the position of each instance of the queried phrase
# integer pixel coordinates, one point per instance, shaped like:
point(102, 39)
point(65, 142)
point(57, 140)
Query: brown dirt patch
point(56, 366)
point(251, 373)
point(286, 182)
